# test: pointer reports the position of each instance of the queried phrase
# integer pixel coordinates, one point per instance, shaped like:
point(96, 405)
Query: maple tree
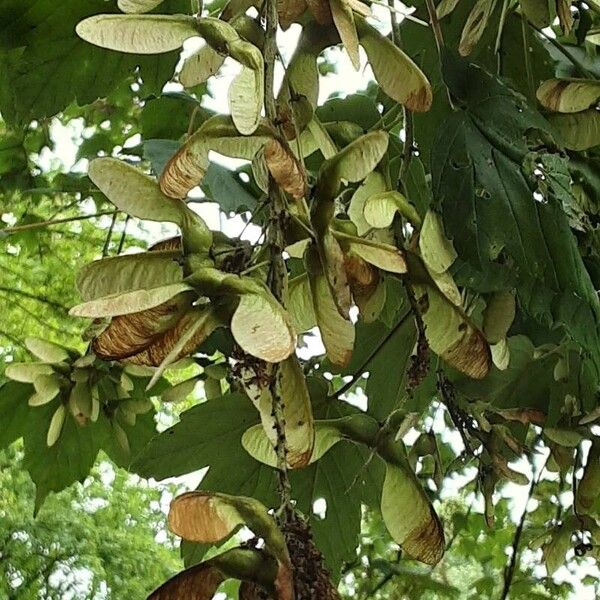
point(437, 232)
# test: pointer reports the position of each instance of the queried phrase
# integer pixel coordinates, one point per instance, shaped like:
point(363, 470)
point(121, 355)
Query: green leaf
point(343, 18)
point(475, 26)
point(56, 67)
point(246, 99)
point(129, 302)
point(578, 131)
point(380, 208)
point(201, 65)
point(120, 274)
point(137, 34)
point(436, 249)
point(138, 6)
point(479, 180)
point(46, 351)
point(372, 185)
point(14, 411)
point(257, 444)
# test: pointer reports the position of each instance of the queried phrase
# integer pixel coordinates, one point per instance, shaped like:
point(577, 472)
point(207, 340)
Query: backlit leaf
point(246, 99)
point(337, 332)
point(399, 77)
point(46, 351)
point(137, 34)
point(128, 302)
point(262, 328)
point(409, 516)
point(344, 22)
point(436, 249)
point(380, 208)
point(297, 411)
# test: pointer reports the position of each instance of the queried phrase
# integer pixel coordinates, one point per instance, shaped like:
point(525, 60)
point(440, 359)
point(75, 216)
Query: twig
point(122, 240)
point(109, 235)
point(509, 571)
point(277, 272)
point(29, 296)
point(358, 373)
point(41, 224)
point(582, 70)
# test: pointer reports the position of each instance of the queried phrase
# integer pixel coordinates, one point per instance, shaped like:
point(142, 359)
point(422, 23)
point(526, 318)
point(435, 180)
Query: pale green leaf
point(257, 444)
point(437, 250)
point(337, 333)
point(568, 95)
point(119, 274)
point(380, 208)
point(578, 131)
point(138, 6)
point(498, 315)
point(46, 351)
point(344, 22)
point(27, 372)
point(262, 328)
point(246, 99)
point(137, 34)
point(409, 516)
point(128, 302)
point(373, 184)
point(398, 76)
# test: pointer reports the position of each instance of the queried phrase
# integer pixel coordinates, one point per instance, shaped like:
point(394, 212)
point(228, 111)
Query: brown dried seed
point(285, 169)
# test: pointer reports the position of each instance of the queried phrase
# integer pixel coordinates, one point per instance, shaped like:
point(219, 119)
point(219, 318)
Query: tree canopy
point(399, 294)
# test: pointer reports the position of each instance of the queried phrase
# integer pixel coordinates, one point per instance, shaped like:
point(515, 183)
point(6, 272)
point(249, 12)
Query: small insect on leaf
point(297, 410)
point(137, 34)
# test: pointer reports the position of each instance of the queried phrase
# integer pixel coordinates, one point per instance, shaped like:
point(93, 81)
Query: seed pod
point(56, 425)
point(121, 437)
point(285, 169)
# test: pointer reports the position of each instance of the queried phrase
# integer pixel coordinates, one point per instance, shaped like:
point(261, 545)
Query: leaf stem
point(580, 68)
point(361, 369)
point(277, 273)
point(509, 572)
